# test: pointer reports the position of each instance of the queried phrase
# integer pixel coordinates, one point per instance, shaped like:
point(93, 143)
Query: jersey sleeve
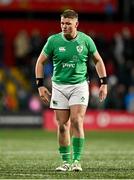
point(91, 46)
point(48, 47)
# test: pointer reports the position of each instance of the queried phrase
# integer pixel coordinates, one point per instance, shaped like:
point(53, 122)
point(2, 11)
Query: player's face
point(69, 26)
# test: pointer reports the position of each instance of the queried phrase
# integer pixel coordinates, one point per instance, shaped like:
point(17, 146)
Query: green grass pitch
point(32, 154)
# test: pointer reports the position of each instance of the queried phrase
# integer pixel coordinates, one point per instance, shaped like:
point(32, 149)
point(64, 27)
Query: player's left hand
point(102, 92)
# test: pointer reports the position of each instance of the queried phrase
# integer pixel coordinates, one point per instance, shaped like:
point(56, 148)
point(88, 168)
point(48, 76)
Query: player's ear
point(77, 24)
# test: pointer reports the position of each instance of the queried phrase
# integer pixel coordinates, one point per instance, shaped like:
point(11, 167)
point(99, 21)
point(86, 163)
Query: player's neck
point(71, 36)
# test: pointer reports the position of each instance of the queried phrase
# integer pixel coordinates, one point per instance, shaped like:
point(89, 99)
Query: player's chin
point(65, 33)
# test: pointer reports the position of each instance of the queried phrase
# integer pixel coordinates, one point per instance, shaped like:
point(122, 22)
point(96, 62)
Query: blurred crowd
point(18, 91)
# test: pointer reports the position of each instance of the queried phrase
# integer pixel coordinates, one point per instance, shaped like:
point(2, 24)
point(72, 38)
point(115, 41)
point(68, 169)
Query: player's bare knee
point(75, 125)
point(63, 128)
point(78, 119)
point(77, 122)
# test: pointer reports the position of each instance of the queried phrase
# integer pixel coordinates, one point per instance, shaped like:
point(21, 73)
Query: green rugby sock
point(78, 144)
point(65, 153)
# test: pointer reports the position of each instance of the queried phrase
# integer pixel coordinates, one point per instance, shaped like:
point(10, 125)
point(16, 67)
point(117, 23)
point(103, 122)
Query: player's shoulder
point(54, 36)
point(84, 35)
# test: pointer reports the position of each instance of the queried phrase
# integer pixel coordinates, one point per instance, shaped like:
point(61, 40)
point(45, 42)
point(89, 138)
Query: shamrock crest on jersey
point(79, 48)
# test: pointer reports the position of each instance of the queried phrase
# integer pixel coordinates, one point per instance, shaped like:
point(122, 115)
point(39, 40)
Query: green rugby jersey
point(69, 57)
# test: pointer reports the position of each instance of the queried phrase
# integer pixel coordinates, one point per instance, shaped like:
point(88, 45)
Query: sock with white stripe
point(65, 153)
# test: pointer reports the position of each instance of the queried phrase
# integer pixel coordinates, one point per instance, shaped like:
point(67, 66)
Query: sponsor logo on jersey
point(68, 65)
point(62, 49)
point(79, 48)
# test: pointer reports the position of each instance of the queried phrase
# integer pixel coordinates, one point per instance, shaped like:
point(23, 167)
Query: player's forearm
point(39, 70)
point(100, 68)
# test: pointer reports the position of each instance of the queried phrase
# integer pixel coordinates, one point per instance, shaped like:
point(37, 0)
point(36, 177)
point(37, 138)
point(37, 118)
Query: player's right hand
point(44, 94)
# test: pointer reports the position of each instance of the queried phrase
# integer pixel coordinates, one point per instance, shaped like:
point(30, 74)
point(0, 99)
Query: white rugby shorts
point(64, 96)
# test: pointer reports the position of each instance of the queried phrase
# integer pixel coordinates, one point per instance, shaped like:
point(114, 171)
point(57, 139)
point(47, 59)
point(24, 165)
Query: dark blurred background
point(24, 28)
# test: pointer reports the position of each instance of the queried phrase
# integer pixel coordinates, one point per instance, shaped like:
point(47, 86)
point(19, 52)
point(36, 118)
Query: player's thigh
point(77, 112)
